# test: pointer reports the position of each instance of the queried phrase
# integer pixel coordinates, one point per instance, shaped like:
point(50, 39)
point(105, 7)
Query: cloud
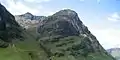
point(114, 17)
point(17, 7)
point(82, 0)
point(98, 1)
point(37, 1)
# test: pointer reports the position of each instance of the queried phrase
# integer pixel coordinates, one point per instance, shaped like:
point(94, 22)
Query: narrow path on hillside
point(20, 50)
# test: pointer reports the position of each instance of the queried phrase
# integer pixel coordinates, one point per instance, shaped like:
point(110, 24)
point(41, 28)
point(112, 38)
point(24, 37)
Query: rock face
point(9, 28)
point(64, 37)
point(115, 52)
point(28, 20)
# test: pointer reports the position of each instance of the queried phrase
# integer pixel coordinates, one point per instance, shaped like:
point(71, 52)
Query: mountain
point(64, 37)
point(115, 52)
point(61, 36)
point(28, 20)
point(17, 43)
point(9, 28)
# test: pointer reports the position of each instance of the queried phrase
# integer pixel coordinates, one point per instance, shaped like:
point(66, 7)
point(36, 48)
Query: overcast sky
point(102, 17)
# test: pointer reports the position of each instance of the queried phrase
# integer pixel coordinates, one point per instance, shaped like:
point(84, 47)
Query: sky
point(102, 17)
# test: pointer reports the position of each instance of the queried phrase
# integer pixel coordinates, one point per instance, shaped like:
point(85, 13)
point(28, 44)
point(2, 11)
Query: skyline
point(102, 17)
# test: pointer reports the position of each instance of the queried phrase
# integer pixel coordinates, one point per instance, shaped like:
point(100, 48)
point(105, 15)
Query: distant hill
point(115, 52)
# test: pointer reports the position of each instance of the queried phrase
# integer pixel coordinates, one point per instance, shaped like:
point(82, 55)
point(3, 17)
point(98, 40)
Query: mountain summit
point(66, 12)
point(28, 15)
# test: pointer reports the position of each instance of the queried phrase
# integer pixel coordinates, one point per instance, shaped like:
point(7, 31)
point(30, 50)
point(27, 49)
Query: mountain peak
point(68, 23)
point(64, 34)
point(68, 12)
point(28, 20)
point(27, 13)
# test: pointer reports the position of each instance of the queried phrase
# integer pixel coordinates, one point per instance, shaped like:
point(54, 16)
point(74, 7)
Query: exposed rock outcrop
point(28, 20)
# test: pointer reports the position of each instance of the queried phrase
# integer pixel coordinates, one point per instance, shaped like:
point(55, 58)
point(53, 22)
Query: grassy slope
point(28, 49)
point(20, 50)
point(91, 57)
point(64, 43)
